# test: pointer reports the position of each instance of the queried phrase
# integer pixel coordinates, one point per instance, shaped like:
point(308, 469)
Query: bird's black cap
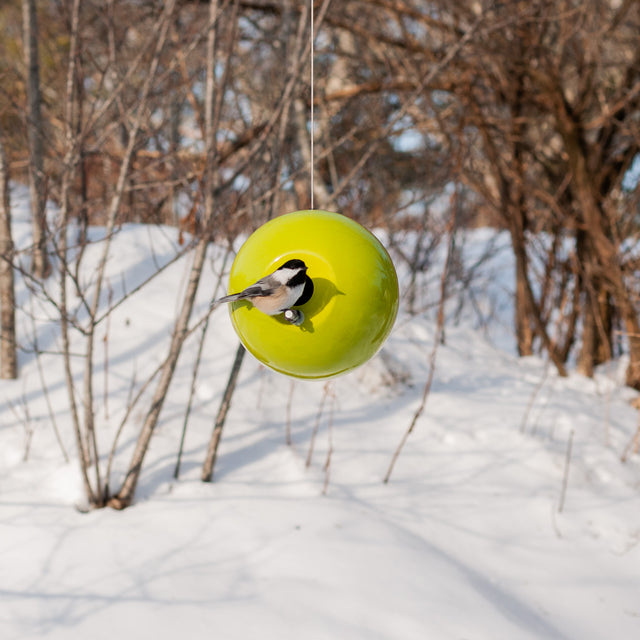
point(294, 264)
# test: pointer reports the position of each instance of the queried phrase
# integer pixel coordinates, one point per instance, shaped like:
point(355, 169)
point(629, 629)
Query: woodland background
point(430, 117)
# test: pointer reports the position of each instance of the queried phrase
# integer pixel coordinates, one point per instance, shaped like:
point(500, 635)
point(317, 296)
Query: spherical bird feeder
point(354, 301)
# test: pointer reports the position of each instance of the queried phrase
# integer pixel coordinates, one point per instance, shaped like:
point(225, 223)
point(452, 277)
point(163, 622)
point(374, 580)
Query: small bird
point(288, 286)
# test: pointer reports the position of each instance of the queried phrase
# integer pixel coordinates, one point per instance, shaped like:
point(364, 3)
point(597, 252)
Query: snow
point(465, 541)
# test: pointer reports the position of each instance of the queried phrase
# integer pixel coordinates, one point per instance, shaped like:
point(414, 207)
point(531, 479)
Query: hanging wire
point(311, 170)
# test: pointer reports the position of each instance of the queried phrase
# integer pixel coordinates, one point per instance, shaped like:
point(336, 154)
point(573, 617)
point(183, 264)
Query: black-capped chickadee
point(288, 286)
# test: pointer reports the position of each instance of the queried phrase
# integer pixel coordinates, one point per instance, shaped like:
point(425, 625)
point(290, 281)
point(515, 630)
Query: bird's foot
point(294, 316)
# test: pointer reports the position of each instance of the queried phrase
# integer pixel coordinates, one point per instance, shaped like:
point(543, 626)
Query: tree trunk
point(606, 272)
point(40, 266)
point(524, 331)
point(8, 359)
point(596, 332)
point(126, 493)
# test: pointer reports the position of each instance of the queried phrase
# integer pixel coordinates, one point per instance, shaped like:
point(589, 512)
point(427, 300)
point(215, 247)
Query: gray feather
point(254, 291)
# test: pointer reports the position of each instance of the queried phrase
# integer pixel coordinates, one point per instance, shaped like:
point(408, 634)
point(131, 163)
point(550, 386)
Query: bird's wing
point(256, 290)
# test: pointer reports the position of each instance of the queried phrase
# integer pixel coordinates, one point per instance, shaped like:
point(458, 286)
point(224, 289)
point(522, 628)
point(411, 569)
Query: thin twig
point(422, 84)
point(316, 425)
point(105, 342)
point(438, 340)
point(565, 477)
point(192, 392)
point(45, 388)
point(110, 309)
point(212, 450)
point(26, 423)
point(287, 436)
point(634, 443)
point(194, 376)
point(534, 394)
point(130, 405)
point(327, 463)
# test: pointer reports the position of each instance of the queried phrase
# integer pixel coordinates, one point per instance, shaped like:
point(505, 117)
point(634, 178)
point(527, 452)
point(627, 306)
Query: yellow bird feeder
point(354, 302)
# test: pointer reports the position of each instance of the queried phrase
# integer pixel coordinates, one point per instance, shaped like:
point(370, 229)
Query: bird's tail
point(232, 298)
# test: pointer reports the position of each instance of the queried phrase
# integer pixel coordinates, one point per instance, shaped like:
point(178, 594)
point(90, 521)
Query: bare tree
point(35, 130)
point(546, 110)
point(91, 299)
point(92, 493)
point(126, 493)
point(8, 356)
point(528, 110)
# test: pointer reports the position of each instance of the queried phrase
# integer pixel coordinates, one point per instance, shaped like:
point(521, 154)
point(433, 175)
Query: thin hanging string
point(312, 38)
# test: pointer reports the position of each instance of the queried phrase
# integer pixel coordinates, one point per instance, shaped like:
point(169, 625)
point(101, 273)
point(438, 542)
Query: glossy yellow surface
point(353, 306)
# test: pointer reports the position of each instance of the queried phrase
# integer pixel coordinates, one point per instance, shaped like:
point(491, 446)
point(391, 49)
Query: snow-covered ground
point(466, 541)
